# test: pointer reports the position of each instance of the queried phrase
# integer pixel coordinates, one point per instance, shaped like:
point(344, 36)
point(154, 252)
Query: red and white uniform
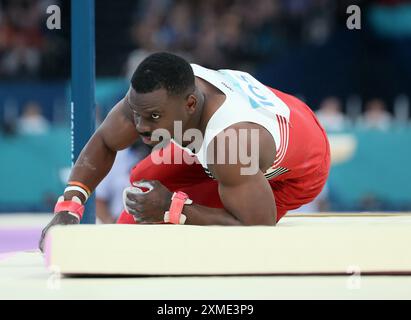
point(303, 155)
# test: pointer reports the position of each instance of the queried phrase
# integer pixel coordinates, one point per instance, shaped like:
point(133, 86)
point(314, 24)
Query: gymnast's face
point(160, 110)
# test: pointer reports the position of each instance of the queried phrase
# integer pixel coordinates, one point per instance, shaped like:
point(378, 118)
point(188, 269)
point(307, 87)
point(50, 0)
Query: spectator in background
point(216, 34)
point(371, 203)
point(109, 193)
point(8, 128)
point(143, 39)
point(21, 40)
point(28, 50)
point(32, 121)
point(376, 116)
point(331, 116)
point(159, 26)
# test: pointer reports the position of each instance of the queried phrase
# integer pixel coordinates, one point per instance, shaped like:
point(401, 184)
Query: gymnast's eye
point(155, 116)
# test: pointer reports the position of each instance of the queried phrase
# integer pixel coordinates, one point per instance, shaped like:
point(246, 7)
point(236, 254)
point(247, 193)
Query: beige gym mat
point(366, 244)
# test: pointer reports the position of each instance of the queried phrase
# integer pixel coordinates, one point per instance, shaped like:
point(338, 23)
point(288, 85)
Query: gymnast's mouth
point(146, 139)
point(150, 139)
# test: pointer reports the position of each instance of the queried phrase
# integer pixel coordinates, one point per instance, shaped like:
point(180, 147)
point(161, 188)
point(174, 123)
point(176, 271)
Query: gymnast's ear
point(191, 104)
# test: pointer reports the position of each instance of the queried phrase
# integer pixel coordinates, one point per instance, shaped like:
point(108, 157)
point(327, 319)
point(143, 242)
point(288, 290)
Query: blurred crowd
point(236, 33)
point(332, 114)
point(27, 49)
point(374, 115)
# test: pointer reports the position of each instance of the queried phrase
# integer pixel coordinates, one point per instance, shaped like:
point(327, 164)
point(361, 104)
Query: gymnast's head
point(162, 92)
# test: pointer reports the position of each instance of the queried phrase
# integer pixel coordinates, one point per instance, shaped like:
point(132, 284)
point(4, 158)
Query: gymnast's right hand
point(66, 213)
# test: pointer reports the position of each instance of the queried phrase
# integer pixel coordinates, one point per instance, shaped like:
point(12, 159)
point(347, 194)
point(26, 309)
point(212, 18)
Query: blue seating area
point(32, 170)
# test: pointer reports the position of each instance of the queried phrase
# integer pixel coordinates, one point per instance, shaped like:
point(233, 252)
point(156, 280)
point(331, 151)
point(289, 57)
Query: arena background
point(358, 81)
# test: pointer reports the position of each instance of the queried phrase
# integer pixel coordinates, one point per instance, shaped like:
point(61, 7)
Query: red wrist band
point(70, 206)
point(177, 204)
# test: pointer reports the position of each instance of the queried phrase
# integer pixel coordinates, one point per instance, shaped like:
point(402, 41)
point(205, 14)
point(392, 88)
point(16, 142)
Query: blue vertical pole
point(83, 83)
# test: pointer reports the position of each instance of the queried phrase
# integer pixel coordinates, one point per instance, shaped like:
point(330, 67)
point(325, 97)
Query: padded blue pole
point(83, 83)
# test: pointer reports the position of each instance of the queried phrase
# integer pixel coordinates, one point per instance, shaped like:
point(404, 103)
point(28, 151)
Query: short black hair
point(163, 70)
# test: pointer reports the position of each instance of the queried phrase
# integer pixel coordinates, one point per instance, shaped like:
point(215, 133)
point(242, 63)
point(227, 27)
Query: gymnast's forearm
point(93, 164)
point(117, 132)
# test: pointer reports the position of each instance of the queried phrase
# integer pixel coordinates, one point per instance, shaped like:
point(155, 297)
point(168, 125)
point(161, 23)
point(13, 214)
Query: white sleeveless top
point(247, 100)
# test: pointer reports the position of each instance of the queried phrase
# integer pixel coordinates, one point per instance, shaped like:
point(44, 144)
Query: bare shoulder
point(118, 129)
point(122, 111)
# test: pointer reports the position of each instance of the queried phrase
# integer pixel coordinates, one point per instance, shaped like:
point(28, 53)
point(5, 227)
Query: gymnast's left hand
point(147, 201)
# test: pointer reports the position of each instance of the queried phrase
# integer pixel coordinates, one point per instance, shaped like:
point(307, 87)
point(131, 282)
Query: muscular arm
point(247, 199)
point(246, 202)
point(117, 132)
point(96, 159)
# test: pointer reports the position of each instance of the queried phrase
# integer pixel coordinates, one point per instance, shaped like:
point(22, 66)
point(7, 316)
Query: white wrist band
point(79, 189)
point(183, 218)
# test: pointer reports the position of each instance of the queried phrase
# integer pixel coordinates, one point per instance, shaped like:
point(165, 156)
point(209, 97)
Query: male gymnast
point(237, 152)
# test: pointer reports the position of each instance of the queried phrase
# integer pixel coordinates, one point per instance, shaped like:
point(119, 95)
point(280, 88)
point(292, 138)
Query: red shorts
point(306, 160)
